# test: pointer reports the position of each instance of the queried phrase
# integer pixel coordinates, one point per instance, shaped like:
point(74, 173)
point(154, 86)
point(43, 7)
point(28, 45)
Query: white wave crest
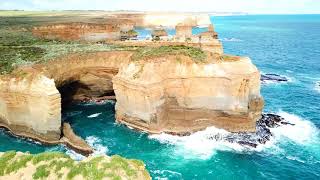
point(95, 142)
point(303, 132)
point(200, 145)
point(231, 40)
point(74, 155)
point(94, 115)
point(166, 174)
point(317, 86)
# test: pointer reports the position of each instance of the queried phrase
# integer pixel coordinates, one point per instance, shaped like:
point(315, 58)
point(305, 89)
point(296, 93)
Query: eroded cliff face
point(30, 107)
point(78, 31)
point(110, 27)
point(172, 94)
point(30, 101)
point(175, 95)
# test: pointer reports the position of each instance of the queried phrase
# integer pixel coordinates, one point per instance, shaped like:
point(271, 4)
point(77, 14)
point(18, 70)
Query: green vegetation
point(148, 52)
point(130, 33)
point(63, 167)
point(229, 58)
point(47, 156)
point(16, 165)
point(41, 172)
point(18, 47)
point(5, 158)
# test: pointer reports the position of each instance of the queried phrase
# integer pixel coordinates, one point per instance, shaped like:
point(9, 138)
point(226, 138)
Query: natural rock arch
point(170, 94)
point(30, 105)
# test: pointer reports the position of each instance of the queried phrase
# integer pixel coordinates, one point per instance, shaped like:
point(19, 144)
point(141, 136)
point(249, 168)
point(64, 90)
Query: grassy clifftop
point(55, 165)
point(19, 47)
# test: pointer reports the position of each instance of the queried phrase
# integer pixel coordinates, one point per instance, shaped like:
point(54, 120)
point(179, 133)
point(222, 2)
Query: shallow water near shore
point(284, 45)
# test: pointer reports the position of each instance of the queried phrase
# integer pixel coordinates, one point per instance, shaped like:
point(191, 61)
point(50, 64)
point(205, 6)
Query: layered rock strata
point(170, 94)
point(175, 95)
point(31, 98)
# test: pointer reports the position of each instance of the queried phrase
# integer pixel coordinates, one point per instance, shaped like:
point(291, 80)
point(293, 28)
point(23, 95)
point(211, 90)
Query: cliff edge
point(178, 86)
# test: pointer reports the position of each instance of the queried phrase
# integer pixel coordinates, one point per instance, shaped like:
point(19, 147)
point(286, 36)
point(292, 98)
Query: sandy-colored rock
point(73, 141)
point(183, 30)
point(183, 97)
point(166, 93)
point(115, 24)
point(30, 103)
point(31, 107)
point(78, 31)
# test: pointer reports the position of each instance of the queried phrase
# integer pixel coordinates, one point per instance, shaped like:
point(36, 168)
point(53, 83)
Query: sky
point(248, 6)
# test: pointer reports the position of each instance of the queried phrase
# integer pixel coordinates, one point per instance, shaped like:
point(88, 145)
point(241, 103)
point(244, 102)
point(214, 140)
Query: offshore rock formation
point(114, 24)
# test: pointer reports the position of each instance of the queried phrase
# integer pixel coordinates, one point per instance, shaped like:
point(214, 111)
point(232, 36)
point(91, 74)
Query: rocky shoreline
point(261, 136)
point(69, 139)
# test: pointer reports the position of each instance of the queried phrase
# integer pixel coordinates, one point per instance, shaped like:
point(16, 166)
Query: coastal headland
point(176, 84)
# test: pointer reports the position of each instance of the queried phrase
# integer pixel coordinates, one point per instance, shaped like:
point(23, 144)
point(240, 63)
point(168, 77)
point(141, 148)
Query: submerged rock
point(273, 78)
point(262, 134)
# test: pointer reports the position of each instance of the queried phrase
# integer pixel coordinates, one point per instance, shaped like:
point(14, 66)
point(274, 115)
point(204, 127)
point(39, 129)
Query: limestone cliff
point(170, 93)
point(176, 95)
point(178, 85)
point(30, 103)
point(30, 106)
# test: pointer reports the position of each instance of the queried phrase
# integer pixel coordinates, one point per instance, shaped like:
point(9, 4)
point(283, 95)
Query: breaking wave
point(202, 145)
point(95, 143)
point(230, 40)
point(166, 174)
point(94, 115)
point(303, 132)
point(74, 155)
point(317, 86)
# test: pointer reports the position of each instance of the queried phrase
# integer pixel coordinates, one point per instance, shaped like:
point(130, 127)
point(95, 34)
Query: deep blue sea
point(288, 45)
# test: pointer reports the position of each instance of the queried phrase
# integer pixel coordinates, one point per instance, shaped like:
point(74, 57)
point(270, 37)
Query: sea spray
point(303, 132)
point(95, 142)
point(204, 144)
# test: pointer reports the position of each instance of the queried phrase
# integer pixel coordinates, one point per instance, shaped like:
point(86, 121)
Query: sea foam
point(317, 86)
point(95, 142)
point(231, 40)
point(94, 115)
point(200, 145)
point(303, 132)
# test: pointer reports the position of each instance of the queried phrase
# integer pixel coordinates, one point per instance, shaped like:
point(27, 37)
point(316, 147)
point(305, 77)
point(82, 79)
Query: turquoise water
point(285, 45)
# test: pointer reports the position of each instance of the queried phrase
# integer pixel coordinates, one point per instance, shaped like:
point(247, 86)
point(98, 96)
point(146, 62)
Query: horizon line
point(207, 12)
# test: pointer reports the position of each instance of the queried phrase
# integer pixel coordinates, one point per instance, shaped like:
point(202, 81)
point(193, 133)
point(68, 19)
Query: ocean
point(287, 45)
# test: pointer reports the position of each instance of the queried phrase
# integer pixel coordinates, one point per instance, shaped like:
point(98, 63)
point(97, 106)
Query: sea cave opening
point(94, 91)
